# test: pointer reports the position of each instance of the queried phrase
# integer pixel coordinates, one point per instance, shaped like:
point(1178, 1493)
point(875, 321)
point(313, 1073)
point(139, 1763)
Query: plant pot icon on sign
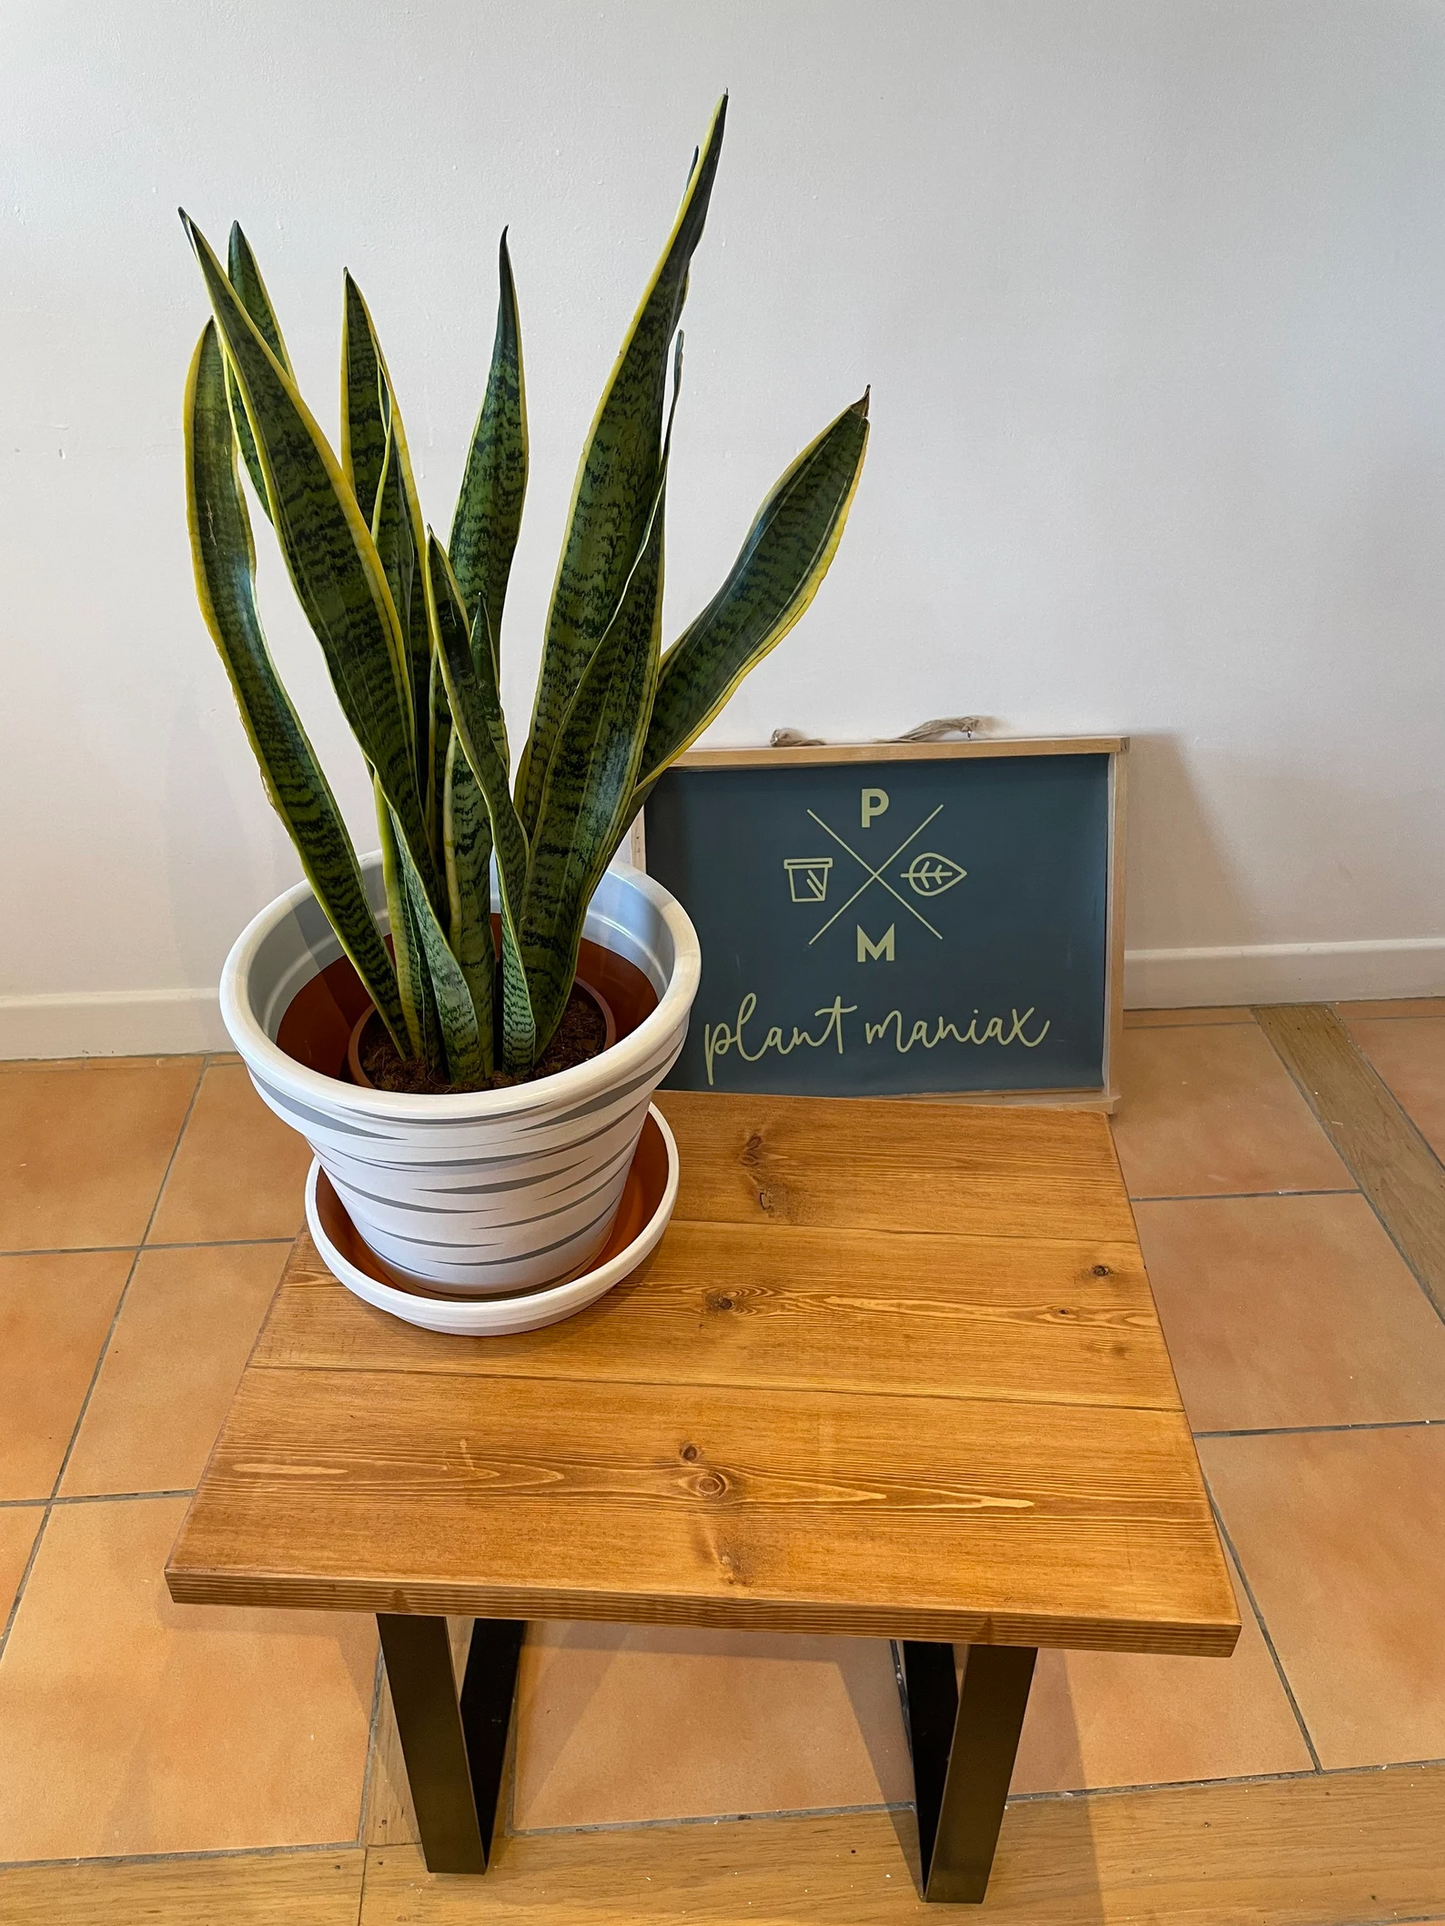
point(808, 877)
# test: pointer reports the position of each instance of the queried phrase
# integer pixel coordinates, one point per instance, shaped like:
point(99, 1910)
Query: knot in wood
point(690, 1454)
point(1102, 1270)
point(716, 1301)
point(710, 1485)
point(752, 1149)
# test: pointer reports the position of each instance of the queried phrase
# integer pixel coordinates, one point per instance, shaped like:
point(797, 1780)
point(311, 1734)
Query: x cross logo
point(874, 875)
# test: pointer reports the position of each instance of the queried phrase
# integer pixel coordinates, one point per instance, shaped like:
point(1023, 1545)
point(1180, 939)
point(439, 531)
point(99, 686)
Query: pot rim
point(565, 1087)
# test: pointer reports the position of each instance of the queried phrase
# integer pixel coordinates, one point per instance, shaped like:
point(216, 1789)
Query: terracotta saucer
point(647, 1202)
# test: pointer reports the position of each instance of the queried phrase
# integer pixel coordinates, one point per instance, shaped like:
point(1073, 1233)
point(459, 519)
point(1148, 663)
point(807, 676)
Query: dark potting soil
point(581, 1034)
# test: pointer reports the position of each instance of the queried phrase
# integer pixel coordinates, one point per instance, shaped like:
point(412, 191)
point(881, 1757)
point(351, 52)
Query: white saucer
point(498, 1316)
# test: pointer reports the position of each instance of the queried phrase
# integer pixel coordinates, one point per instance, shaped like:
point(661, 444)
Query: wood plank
point(843, 1311)
point(231, 1889)
point(1386, 1155)
point(987, 747)
point(1350, 1849)
point(784, 1510)
point(849, 1163)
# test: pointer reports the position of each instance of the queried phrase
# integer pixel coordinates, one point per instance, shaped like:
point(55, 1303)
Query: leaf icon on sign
point(931, 874)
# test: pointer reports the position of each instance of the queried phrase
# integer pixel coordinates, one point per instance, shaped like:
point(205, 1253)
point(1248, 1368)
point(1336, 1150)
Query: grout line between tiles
point(129, 1280)
point(712, 1819)
point(100, 1360)
point(1242, 1779)
point(165, 1858)
point(1235, 1196)
point(198, 1244)
point(1021, 1798)
point(1308, 1430)
point(92, 1498)
point(24, 1580)
point(1264, 1630)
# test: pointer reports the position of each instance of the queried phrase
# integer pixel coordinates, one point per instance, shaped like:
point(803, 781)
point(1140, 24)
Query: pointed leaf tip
point(860, 406)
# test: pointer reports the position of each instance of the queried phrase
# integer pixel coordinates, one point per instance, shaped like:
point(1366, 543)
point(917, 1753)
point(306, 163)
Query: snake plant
point(411, 628)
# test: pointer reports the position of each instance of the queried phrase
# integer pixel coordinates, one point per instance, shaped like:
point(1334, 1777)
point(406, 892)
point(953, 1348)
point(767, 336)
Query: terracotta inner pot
point(323, 1015)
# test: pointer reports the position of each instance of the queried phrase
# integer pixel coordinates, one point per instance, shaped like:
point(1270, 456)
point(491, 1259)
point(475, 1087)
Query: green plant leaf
point(439, 738)
point(467, 844)
point(329, 553)
point(489, 507)
point(424, 1039)
point(586, 800)
point(398, 506)
point(363, 407)
point(460, 1058)
point(225, 565)
point(777, 573)
point(393, 531)
point(476, 709)
point(616, 484)
point(245, 277)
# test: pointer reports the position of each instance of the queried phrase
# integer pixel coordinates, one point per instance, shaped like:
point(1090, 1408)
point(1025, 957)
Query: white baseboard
point(1285, 973)
point(144, 1023)
point(111, 1023)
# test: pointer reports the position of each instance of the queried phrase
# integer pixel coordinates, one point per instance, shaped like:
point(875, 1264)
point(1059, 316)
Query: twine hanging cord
point(938, 730)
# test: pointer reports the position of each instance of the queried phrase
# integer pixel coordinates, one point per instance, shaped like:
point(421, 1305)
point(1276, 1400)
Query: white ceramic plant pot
point(481, 1191)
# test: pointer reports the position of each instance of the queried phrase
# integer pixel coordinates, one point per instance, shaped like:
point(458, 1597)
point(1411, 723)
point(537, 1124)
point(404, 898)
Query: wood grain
point(1387, 1157)
point(894, 1371)
point(789, 1510)
point(846, 1163)
point(1353, 1849)
point(230, 1889)
point(843, 1311)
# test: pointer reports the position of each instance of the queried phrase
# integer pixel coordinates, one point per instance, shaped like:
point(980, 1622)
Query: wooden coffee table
point(894, 1371)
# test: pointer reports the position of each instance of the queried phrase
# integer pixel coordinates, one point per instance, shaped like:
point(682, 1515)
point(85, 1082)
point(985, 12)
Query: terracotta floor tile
point(1409, 1053)
point(1291, 1311)
point(1211, 1110)
point(55, 1310)
point(1132, 1718)
point(84, 1147)
point(18, 1526)
point(622, 1723)
point(190, 1319)
point(132, 1725)
point(239, 1171)
point(1342, 1537)
point(1176, 1019)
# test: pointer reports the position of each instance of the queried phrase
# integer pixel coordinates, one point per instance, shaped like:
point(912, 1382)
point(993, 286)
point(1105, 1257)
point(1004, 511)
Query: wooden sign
point(901, 919)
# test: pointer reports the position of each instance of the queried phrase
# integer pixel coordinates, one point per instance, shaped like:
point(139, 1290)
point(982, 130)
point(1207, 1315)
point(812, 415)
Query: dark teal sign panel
point(892, 928)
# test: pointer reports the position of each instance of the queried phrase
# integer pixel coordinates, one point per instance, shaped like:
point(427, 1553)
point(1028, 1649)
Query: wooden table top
point(895, 1370)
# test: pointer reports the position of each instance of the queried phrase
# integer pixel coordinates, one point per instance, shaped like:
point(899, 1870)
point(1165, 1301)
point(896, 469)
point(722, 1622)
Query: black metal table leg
point(963, 1755)
point(453, 1746)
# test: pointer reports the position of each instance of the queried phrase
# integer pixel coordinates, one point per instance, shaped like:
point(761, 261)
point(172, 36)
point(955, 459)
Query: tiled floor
point(146, 1209)
point(145, 1212)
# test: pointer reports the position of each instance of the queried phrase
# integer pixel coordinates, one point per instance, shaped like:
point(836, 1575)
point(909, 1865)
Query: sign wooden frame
point(1116, 748)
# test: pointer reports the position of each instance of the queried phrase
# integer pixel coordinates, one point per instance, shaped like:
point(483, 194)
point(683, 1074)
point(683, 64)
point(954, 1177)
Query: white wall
point(1151, 295)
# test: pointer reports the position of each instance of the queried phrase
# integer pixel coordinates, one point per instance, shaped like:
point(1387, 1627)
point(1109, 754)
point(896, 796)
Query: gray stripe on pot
point(502, 1224)
point(449, 1210)
point(515, 1257)
point(648, 1079)
point(319, 1117)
